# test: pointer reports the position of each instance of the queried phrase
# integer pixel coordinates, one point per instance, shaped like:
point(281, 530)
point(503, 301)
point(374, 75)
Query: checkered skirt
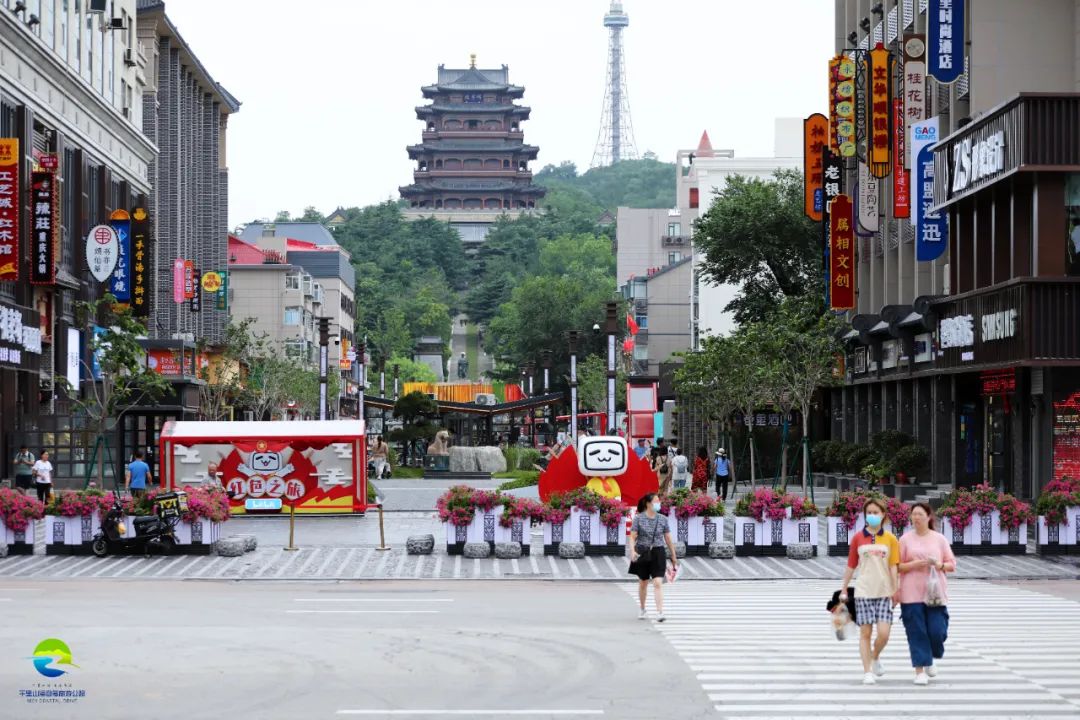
point(869, 611)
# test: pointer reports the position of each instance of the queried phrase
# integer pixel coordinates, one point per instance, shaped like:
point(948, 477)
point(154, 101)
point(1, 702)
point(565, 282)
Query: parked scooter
point(153, 533)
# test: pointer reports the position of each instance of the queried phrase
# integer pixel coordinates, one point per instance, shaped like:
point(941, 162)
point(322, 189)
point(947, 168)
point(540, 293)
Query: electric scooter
point(153, 533)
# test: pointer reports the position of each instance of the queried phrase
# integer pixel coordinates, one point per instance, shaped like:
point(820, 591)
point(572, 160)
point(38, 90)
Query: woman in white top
point(43, 470)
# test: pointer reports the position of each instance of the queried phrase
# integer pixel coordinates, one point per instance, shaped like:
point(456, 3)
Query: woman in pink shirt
point(926, 617)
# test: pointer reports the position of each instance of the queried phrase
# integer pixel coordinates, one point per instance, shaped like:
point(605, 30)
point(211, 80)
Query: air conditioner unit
point(117, 24)
point(486, 399)
point(129, 58)
point(98, 6)
point(680, 240)
point(127, 112)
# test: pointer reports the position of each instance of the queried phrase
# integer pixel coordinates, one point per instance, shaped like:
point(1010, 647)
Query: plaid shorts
point(869, 611)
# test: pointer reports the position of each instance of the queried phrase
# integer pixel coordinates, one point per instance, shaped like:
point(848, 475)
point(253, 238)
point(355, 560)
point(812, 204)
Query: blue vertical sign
point(932, 228)
point(120, 280)
point(945, 40)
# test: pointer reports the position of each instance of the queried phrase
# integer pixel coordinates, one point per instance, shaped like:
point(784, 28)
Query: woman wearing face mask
point(927, 625)
point(875, 553)
point(649, 534)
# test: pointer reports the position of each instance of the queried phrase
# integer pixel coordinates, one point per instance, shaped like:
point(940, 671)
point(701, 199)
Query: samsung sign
point(974, 161)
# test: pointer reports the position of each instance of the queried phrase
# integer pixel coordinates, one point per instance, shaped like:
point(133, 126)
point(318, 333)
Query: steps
point(455, 476)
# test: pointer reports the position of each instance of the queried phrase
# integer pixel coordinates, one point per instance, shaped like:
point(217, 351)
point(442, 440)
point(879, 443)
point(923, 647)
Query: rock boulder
point(420, 544)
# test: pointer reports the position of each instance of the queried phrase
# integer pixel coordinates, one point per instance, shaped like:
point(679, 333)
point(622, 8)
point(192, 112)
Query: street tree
point(592, 384)
point(226, 377)
point(411, 371)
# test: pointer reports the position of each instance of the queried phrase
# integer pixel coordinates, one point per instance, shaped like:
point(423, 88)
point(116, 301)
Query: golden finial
point(472, 61)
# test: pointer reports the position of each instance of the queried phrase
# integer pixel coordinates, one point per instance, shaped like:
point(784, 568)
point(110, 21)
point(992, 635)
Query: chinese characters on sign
point(834, 119)
point(901, 177)
point(914, 83)
point(932, 230)
point(189, 279)
point(142, 259)
point(844, 102)
point(42, 233)
point(1067, 438)
point(179, 276)
point(9, 209)
point(832, 174)
point(956, 332)
point(120, 281)
point(101, 251)
point(945, 39)
point(998, 382)
point(841, 254)
point(196, 293)
point(17, 338)
point(815, 130)
point(221, 298)
point(879, 110)
point(869, 211)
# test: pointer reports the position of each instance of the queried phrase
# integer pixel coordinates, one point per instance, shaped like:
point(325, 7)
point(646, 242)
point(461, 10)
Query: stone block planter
point(485, 527)
point(585, 528)
point(801, 551)
point(697, 533)
point(420, 544)
point(571, 550)
point(17, 542)
point(1059, 539)
point(194, 538)
point(771, 537)
point(477, 550)
point(508, 550)
point(985, 536)
point(722, 550)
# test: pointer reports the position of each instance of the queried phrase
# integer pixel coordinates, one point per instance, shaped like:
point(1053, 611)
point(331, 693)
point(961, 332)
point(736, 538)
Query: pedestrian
point(680, 468)
point(137, 475)
point(925, 558)
point(875, 553)
point(380, 454)
point(722, 469)
point(649, 535)
point(701, 470)
point(212, 474)
point(24, 470)
point(42, 472)
point(659, 463)
point(641, 451)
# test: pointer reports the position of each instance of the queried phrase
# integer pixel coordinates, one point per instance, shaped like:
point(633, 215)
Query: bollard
point(292, 527)
point(382, 533)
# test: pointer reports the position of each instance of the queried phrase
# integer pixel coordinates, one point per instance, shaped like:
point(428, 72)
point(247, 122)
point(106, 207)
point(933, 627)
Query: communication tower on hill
point(616, 139)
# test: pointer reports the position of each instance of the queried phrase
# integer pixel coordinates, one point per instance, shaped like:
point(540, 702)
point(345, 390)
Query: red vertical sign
point(9, 208)
point(189, 279)
point(841, 254)
point(901, 177)
point(43, 232)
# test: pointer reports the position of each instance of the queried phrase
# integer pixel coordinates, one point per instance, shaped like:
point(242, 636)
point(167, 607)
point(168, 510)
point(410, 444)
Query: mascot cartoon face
point(604, 456)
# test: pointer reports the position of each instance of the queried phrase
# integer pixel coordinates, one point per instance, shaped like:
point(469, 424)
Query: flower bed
point(766, 522)
point(982, 521)
point(18, 513)
point(1058, 509)
point(845, 518)
point(696, 518)
point(588, 518)
point(471, 516)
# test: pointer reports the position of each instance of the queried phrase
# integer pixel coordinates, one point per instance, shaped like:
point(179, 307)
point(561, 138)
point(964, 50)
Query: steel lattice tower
point(616, 139)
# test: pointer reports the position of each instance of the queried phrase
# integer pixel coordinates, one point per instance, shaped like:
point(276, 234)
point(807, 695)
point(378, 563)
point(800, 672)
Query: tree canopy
point(645, 183)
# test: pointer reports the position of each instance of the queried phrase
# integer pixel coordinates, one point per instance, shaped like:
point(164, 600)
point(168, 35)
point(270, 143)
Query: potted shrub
point(982, 521)
point(1058, 510)
point(18, 513)
point(767, 521)
point(910, 462)
point(696, 518)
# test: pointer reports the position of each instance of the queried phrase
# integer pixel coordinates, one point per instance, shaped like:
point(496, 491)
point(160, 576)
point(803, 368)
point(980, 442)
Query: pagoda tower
point(472, 165)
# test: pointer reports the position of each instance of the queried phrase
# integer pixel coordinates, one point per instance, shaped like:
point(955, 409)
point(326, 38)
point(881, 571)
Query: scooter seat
point(146, 525)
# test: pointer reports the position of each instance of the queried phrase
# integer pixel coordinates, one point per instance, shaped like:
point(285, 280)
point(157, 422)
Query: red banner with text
point(841, 254)
point(901, 176)
point(9, 208)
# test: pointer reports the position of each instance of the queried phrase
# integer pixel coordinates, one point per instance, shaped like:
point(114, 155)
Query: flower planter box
point(554, 535)
point(985, 536)
point(697, 532)
point(838, 535)
point(70, 535)
point(485, 527)
point(771, 537)
point(19, 542)
point(194, 538)
point(585, 527)
point(1062, 539)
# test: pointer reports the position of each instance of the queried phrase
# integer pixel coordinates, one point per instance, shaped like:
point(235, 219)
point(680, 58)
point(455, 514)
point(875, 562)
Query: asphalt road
point(314, 650)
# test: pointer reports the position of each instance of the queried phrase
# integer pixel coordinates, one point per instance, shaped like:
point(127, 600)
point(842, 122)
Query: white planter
point(984, 535)
point(1059, 539)
point(697, 532)
point(18, 542)
point(585, 527)
point(485, 527)
point(771, 537)
point(555, 533)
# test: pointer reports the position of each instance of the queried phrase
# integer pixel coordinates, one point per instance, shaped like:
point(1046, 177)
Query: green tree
point(756, 236)
point(633, 183)
point(417, 412)
point(311, 214)
point(410, 370)
point(592, 384)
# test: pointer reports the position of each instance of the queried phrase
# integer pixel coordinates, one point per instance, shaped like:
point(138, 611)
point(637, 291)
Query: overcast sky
point(328, 86)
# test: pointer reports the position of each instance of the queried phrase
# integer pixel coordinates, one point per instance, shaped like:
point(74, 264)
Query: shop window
point(1072, 214)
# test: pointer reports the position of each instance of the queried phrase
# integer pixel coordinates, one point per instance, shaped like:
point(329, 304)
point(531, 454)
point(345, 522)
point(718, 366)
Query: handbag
point(934, 596)
point(643, 557)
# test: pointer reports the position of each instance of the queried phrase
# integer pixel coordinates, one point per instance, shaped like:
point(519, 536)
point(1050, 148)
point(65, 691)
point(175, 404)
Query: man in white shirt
point(42, 472)
point(680, 468)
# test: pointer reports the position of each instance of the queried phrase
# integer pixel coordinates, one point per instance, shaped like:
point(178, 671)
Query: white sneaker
point(921, 679)
point(642, 614)
point(660, 618)
point(869, 679)
point(878, 668)
point(932, 670)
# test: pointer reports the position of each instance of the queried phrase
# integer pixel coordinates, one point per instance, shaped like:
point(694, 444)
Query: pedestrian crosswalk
point(766, 650)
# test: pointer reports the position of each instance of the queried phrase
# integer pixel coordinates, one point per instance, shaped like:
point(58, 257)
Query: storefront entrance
point(998, 458)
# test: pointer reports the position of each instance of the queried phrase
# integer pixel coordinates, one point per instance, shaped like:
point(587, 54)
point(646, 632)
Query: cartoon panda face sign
point(603, 456)
point(265, 462)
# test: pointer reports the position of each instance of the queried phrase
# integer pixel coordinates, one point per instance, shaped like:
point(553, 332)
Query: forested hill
point(633, 183)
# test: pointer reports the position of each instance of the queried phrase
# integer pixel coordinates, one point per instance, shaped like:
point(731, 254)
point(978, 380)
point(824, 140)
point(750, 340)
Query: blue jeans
point(926, 628)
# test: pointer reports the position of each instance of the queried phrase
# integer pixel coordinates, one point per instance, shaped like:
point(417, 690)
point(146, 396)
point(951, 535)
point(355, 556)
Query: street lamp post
point(361, 352)
point(397, 374)
point(545, 363)
point(530, 368)
point(611, 327)
point(574, 338)
point(324, 354)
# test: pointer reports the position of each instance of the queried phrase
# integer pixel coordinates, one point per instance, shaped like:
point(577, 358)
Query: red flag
point(633, 326)
point(628, 345)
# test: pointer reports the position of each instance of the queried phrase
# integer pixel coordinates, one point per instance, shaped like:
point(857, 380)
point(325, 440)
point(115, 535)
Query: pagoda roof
point(443, 185)
point(473, 108)
point(472, 79)
point(478, 145)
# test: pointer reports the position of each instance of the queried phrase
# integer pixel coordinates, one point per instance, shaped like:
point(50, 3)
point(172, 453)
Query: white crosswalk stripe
point(766, 650)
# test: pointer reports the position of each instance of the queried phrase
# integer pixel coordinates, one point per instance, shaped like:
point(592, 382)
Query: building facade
point(185, 112)
point(70, 84)
point(976, 352)
point(472, 165)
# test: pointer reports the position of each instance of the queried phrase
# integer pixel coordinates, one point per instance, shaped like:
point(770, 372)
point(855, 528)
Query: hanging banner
point(9, 208)
point(868, 199)
point(879, 110)
point(920, 135)
point(120, 280)
point(179, 275)
point(189, 279)
point(221, 298)
point(914, 83)
point(101, 251)
point(196, 294)
point(834, 118)
point(832, 185)
point(932, 231)
point(945, 39)
point(141, 262)
point(844, 129)
point(815, 131)
point(210, 281)
point(901, 178)
point(43, 215)
point(841, 254)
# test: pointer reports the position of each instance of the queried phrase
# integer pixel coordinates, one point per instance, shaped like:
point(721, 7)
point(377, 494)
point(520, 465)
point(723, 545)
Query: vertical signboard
point(179, 275)
point(914, 83)
point(142, 260)
point(832, 185)
point(120, 281)
point(189, 279)
point(74, 340)
point(43, 229)
point(879, 110)
point(834, 119)
point(815, 131)
point(844, 100)
point(841, 254)
point(901, 178)
point(868, 199)
point(920, 134)
point(221, 298)
point(945, 39)
point(9, 209)
point(196, 293)
point(931, 229)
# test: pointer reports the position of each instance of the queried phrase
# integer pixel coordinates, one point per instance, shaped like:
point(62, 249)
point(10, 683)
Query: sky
point(328, 87)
